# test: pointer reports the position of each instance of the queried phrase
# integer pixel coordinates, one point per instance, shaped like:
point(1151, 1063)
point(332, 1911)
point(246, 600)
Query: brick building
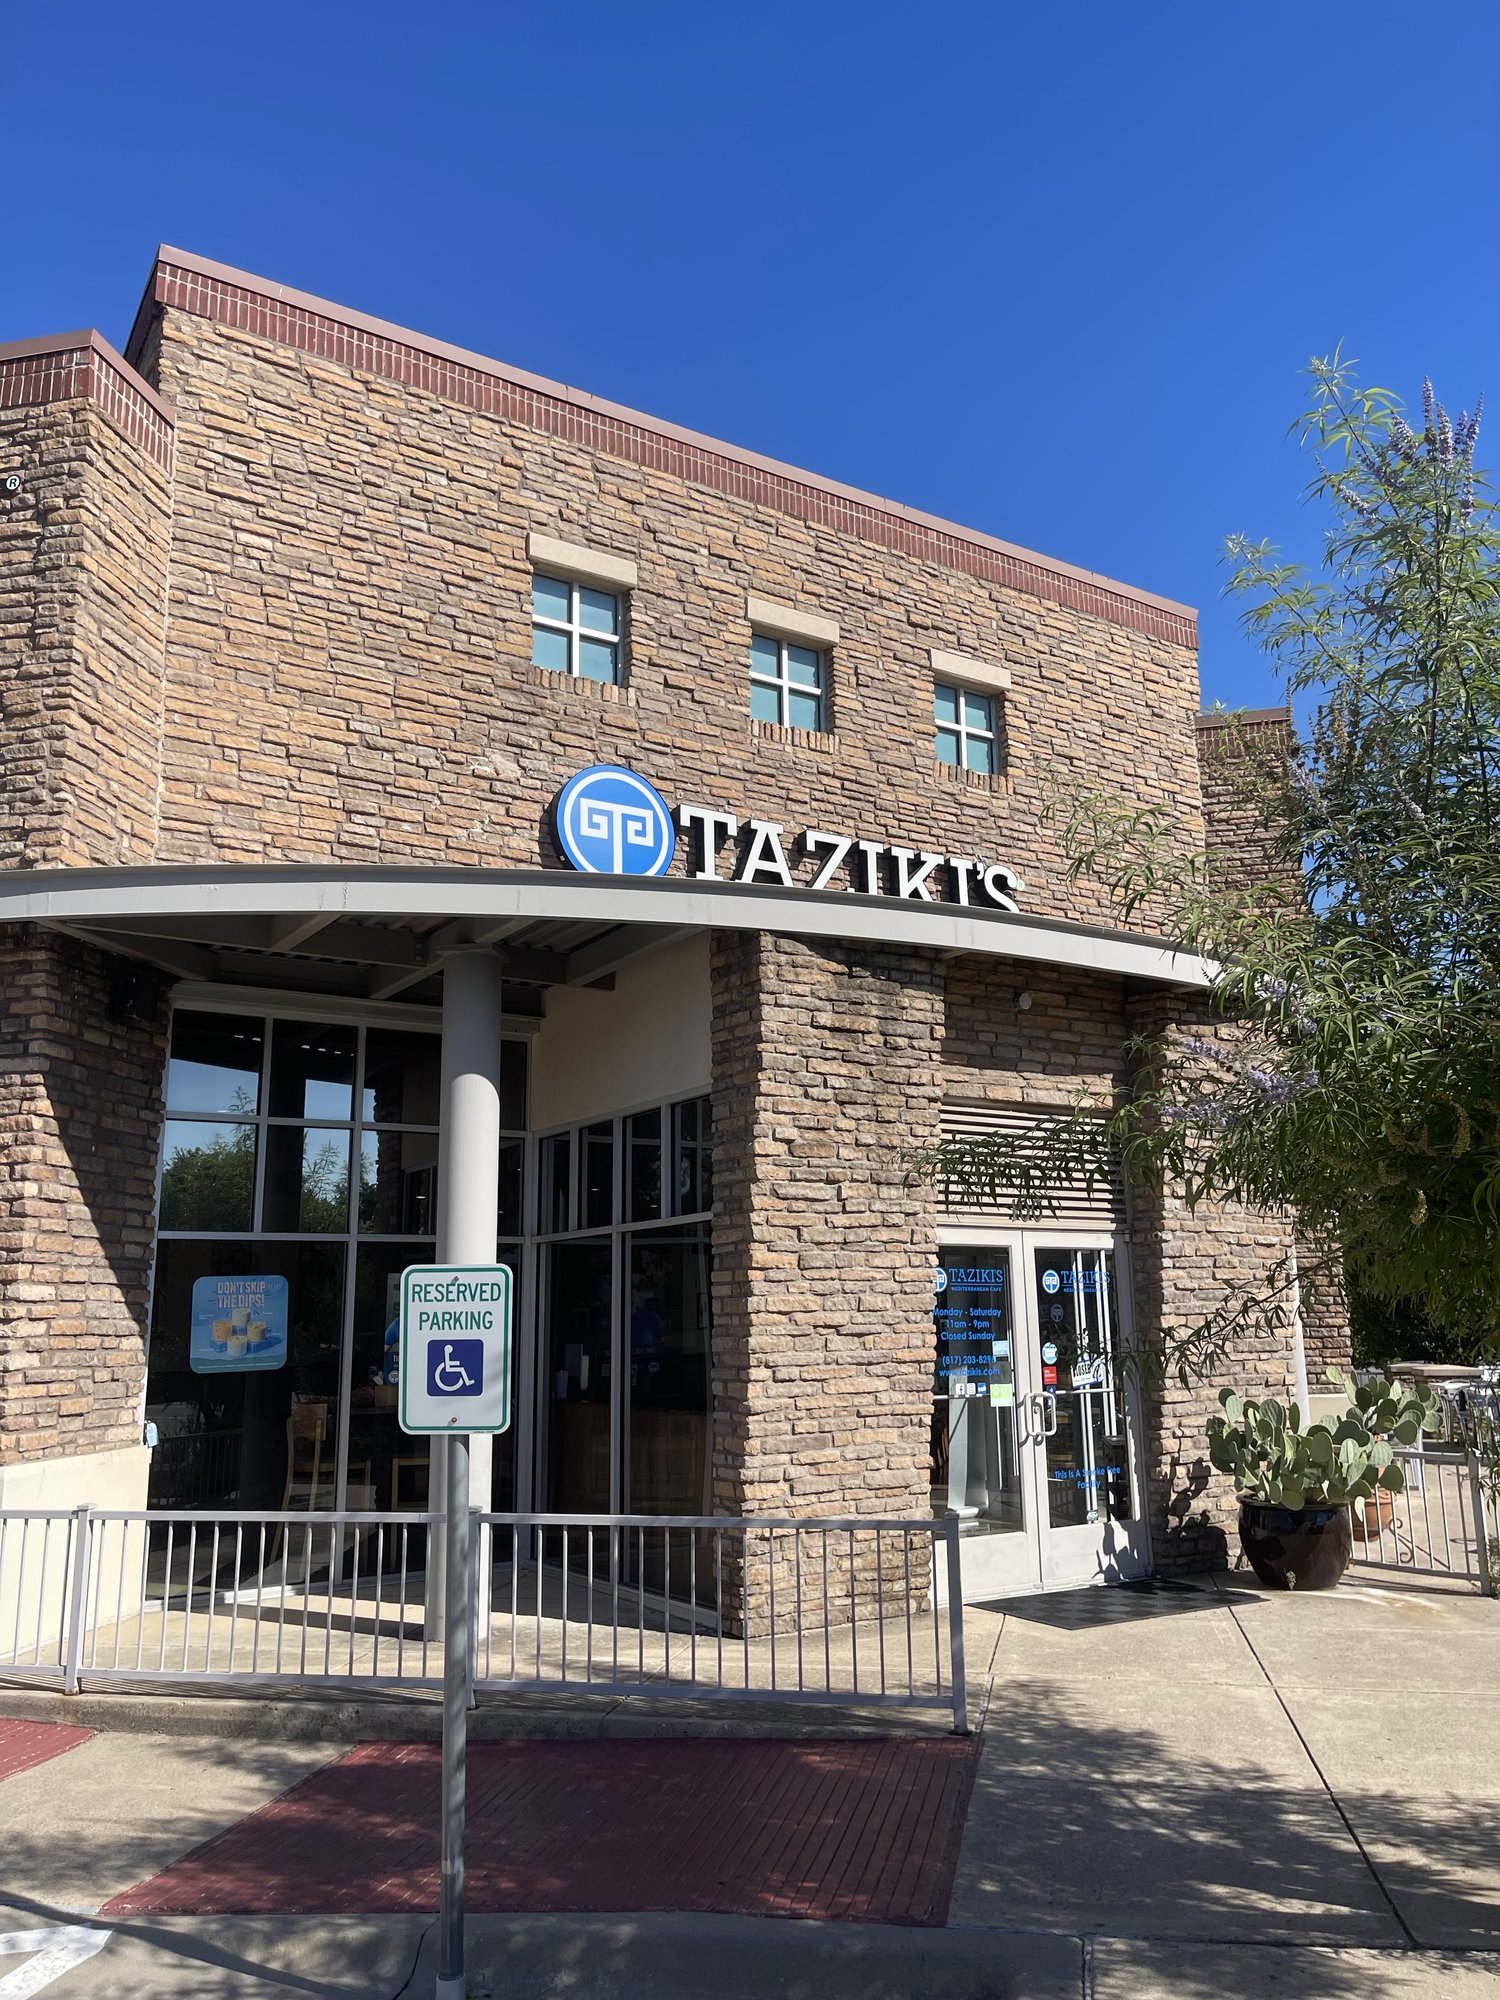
point(341, 669)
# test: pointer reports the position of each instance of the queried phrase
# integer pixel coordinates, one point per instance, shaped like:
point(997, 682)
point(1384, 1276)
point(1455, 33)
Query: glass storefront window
point(402, 1073)
point(208, 1176)
point(596, 1163)
point(643, 1166)
point(312, 1070)
point(510, 1219)
point(215, 1064)
point(264, 1439)
point(307, 1152)
point(556, 1154)
point(307, 1181)
point(667, 1380)
point(398, 1183)
point(691, 1157)
point(577, 1354)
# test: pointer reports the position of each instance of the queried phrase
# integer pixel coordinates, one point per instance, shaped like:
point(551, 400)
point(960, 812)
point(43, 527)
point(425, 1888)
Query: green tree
point(210, 1186)
point(1360, 1089)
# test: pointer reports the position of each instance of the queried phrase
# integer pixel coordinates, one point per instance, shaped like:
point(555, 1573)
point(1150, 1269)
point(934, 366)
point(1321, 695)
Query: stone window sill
point(798, 739)
point(580, 684)
point(971, 781)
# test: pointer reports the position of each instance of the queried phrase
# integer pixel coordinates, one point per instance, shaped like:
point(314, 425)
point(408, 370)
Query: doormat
point(865, 1830)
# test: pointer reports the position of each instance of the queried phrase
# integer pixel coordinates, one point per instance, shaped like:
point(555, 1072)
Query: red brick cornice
point(61, 366)
point(257, 306)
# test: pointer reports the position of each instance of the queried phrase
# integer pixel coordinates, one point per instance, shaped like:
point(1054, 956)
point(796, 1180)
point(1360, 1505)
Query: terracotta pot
point(1303, 1549)
point(1375, 1514)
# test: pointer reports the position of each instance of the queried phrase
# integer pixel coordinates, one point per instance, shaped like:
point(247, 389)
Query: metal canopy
point(376, 933)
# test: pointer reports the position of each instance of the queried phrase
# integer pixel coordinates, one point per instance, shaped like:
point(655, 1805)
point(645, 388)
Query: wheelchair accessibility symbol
point(455, 1367)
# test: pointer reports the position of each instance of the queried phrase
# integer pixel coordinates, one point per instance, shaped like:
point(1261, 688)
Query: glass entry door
point(1034, 1430)
point(1080, 1416)
point(982, 1386)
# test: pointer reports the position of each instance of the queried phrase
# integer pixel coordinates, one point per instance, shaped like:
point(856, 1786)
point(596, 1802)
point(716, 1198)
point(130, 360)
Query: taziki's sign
point(610, 821)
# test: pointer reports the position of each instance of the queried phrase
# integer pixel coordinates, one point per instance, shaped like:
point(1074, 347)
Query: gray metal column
point(468, 1193)
point(468, 1184)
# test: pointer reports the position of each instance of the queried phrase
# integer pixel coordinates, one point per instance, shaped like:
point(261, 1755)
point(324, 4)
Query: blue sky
point(1051, 271)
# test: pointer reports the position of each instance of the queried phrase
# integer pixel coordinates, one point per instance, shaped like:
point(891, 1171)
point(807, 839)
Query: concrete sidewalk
point(1218, 1794)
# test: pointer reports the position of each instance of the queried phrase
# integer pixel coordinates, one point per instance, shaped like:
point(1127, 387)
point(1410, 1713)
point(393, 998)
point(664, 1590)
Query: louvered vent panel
point(1073, 1202)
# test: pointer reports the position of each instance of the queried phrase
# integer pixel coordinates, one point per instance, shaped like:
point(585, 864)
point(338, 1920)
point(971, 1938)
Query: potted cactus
point(1399, 1412)
point(1296, 1486)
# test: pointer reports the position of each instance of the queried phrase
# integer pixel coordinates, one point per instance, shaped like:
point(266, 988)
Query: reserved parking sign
point(455, 1348)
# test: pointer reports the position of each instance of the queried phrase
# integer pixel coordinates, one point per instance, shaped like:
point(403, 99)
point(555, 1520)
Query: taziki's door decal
point(976, 1446)
point(1082, 1401)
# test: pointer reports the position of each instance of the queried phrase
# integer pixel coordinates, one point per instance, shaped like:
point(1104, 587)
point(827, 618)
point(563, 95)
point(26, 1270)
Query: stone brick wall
point(350, 641)
point(1070, 1038)
point(83, 568)
point(1240, 758)
point(80, 1126)
point(1184, 1264)
point(825, 1074)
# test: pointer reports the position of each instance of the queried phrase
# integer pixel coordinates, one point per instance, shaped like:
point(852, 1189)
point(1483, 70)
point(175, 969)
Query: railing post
point(1487, 1578)
point(956, 1628)
point(77, 1591)
point(476, 1550)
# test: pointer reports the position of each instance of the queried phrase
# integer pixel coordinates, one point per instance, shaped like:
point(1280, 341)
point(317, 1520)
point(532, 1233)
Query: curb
point(322, 1718)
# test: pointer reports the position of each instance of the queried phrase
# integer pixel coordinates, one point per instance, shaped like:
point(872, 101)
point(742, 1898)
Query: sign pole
point(456, 1639)
point(455, 1366)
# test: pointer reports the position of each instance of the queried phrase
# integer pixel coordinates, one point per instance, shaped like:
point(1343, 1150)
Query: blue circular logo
point(940, 1279)
point(1051, 1282)
point(610, 822)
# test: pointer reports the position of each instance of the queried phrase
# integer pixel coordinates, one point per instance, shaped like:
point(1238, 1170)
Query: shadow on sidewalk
point(1213, 1826)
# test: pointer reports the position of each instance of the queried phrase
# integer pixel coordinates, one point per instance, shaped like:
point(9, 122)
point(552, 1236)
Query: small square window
point(788, 683)
point(964, 736)
point(576, 630)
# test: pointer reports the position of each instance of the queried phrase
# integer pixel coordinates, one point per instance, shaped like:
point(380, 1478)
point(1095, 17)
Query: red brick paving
point(23, 1744)
point(866, 1830)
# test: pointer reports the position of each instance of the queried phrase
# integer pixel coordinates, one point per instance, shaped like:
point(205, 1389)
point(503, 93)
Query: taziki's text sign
point(455, 1348)
point(610, 821)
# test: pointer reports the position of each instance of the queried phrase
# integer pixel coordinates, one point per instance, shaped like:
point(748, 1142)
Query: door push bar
point(1042, 1405)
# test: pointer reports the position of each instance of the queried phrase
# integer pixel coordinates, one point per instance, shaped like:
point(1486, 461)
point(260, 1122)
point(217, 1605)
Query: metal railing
point(783, 1610)
point(695, 1607)
point(1438, 1525)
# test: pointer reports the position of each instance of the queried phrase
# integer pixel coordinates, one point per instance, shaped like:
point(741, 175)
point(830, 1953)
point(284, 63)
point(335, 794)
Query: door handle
point(1048, 1400)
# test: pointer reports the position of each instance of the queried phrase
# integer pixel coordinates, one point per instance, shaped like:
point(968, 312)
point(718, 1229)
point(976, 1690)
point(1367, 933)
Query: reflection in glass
point(1088, 1462)
point(401, 1077)
point(596, 1203)
point(208, 1175)
point(387, 1469)
point(515, 1058)
point(577, 1354)
point(976, 1469)
point(556, 1154)
point(307, 1181)
point(667, 1326)
point(215, 1064)
point(397, 1183)
point(692, 1157)
point(643, 1166)
point(508, 1220)
point(312, 1070)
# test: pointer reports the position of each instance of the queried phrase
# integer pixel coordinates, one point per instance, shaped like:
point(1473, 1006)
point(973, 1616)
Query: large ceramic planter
point(1307, 1548)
